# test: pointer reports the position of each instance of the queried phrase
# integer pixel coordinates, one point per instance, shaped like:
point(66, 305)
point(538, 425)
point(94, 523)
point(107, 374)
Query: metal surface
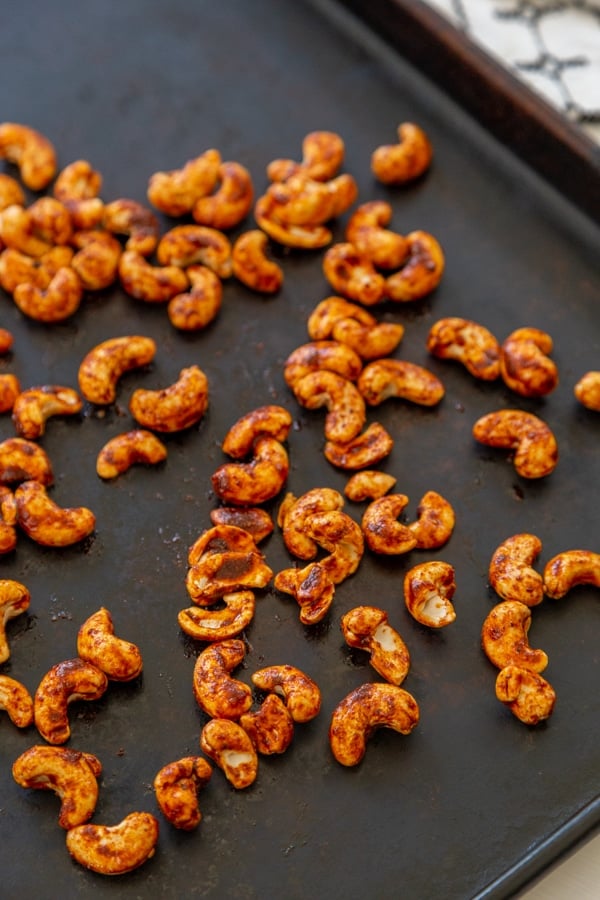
point(472, 795)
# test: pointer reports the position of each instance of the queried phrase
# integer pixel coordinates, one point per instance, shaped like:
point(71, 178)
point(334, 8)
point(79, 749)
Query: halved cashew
point(173, 408)
point(98, 644)
point(198, 307)
point(23, 460)
point(14, 600)
point(252, 266)
point(304, 201)
point(366, 230)
point(367, 449)
point(435, 521)
point(587, 390)
point(219, 624)
point(312, 589)
point(47, 523)
point(305, 237)
point(176, 788)
point(219, 573)
point(152, 284)
point(428, 592)
point(71, 774)
point(8, 520)
point(51, 220)
point(353, 275)
point(17, 232)
point(11, 192)
point(188, 245)
point(221, 539)
point(35, 406)
point(514, 429)
point(383, 379)
point(136, 447)
point(331, 356)
point(252, 519)
point(570, 568)
point(368, 485)
point(10, 388)
point(295, 514)
point(6, 339)
point(322, 155)
point(264, 421)
point(97, 258)
point(16, 700)
point(60, 300)
point(382, 531)
point(300, 692)
point(114, 849)
point(102, 367)
point(271, 727)
point(175, 192)
point(511, 571)
point(504, 637)
point(31, 151)
point(527, 694)
point(346, 412)
point(342, 538)
point(403, 162)
point(216, 692)
point(231, 748)
point(422, 271)
point(135, 221)
point(251, 483)
point(78, 186)
point(370, 706)
point(367, 628)
point(469, 343)
point(232, 200)
point(66, 682)
point(525, 365)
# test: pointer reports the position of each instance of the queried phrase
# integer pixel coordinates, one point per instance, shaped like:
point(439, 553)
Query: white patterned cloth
point(552, 45)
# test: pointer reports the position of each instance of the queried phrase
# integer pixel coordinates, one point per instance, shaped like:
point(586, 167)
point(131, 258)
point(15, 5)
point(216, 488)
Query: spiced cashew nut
point(34, 406)
point(24, 460)
point(570, 568)
point(525, 365)
point(352, 324)
point(401, 163)
point(383, 379)
point(422, 271)
point(217, 693)
point(353, 275)
point(138, 446)
point(173, 408)
point(469, 343)
point(536, 450)
point(14, 600)
point(366, 230)
point(299, 691)
point(270, 727)
point(31, 151)
point(66, 682)
point(174, 192)
point(254, 482)
point(16, 700)
point(47, 523)
point(511, 571)
point(103, 366)
point(98, 644)
point(382, 531)
point(527, 694)
point(219, 624)
point(232, 750)
point(176, 787)
point(114, 849)
point(368, 448)
point(367, 628)
point(504, 637)
point(587, 390)
point(428, 592)
point(251, 264)
point(345, 405)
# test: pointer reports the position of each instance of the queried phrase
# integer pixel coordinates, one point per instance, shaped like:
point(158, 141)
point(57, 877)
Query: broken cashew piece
point(367, 628)
point(173, 408)
point(300, 693)
point(570, 568)
point(31, 151)
point(468, 343)
point(16, 700)
point(367, 449)
point(66, 682)
point(428, 591)
point(105, 363)
point(587, 390)
point(536, 450)
point(422, 271)
point(216, 692)
point(525, 365)
point(382, 531)
point(97, 643)
point(435, 521)
point(511, 571)
point(219, 624)
point(504, 637)
point(35, 406)
point(383, 379)
point(271, 727)
point(48, 524)
point(527, 694)
point(251, 264)
point(252, 519)
point(114, 849)
point(232, 750)
point(400, 163)
point(176, 788)
point(353, 275)
point(368, 485)
point(14, 600)
point(24, 460)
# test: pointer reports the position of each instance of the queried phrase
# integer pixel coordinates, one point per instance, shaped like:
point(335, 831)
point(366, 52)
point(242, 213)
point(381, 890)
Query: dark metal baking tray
point(472, 803)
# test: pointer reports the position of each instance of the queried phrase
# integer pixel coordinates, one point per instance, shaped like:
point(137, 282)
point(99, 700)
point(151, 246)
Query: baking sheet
point(470, 802)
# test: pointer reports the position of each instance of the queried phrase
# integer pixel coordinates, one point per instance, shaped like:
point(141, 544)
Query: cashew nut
point(221, 539)
point(271, 727)
point(300, 692)
point(382, 531)
point(252, 266)
point(173, 408)
point(428, 592)
point(527, 694)
point(511, 571)
point(152, 284)
point(342, 538)
point(97, 259)
point(219, 624)
point(265, 421)
point(216, 692)
point(370, 706)
point(231, 748)
point(67, 681)
point(217, 573)
point(23, 460)
point(136, 222)
point(355, 326)
point(97, 643)
point(587, 390)
point(435, 521)
point(102, 367)
point(346, 412)
point(230, 203)
point(368, 485)
point(176, 787)
point(47, 523)
point(51, 220)
point(504, 637)
point(31, 151)
point(254, 519)
point(251, 483)
point(467, 342)
point(514, 429)
point(422, 271)
point(367, 449)
point(188, 245)
point(175, 192)
point(18, 232)
point(16, 700)
point(11, 192)
point(353, 275)
point(35, 406)
point(570, 568)
point(304, 201)
point(60, 300)
point(322, 156)
point(403, 162)
point(387, 378)
point(307, 237)
point(17, 268)
point(525, 365)
point(8, 520)
point(331, 356)
point(14, 600)
point(114, 849)
point(367, 628)
point(77, 186)
point(366, 230)
point(10, 388)
point(311, 587)
point(198, 307)
point(134, 447)
point(71, 774)
point(294, 516)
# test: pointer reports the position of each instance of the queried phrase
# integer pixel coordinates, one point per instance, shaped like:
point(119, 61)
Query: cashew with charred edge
point(382, 531)
point(570, 568)
point(367, 449)
point(198, 307)
point(152, 284)
point(587, 390)
point(60, 300)
point(527, 694)
point(77, 186)
point(428, 592)
point(366, 230)
point(322, 157)
point(232, 750)
point(71, 774)
point(435, 521)
point(305, 237)
point(525, 365)
point(173, 408)
point(216, 692)
point(17, 701)
point(252, 266)
point(221, 539)
point(514, 429)
point(14, 600)
point(383, 379)
point(97, 643)
point(253, 519)
point(403, 162)
point(175, 192)
point(330, 356)
point(367, 628)
point(10, 388)
point(31, 151)
point(136, 222)
point(301, 694)
point(370, 706)
point(271, 727)
point(346, 412)
point(467, 342)
point(312, 589)
point(511, 571)
point(219, 624)
point(66, 682)
point(422, 271)
point(136, 447)
point(230, 203)
point(48, 524)
point(251, 483)
point(114, 849)
point(23, 460)
point(355, 326)
point(102, 367)
point(353, 275)
point(187, 245)
point(368, 485)
point(504, 637)
point(176, 787)
point(219, 573)
point(97, 258)
point(35, 406)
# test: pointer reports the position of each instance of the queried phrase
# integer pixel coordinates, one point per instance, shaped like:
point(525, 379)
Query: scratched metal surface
point(143, 86)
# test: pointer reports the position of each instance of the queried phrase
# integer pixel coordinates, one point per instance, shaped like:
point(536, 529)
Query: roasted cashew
point(322, 157)
point(331, 356)
point(367, 449)
point(152, 284)
point(105, 363)
point(370, 706)
point(23, 460)
point(59, 301)
point(189, 245)
point(367, 628)
point(219, 624)
point(301, 694)
point(271, 727)
point(525, 365)
point(514, 429)
point(355, 326)
point(254, 520)
point(11, 192)
point(35, 406)
point(221, 539)
point(6, 339)
point(136, 222)
point(504, 637)
point(14, 600)
point(264, 421)
point(570, 568)
point(31, 151)
point(255, 482)
point(136, 447)
point(467, 342)
point(305, 237)
point(218, 573)
point(342, 538)
point(176, 788)
point(353, 275)
point(198, 307)
point(51, 220)
point(232, 750)
point(386, 378)
point(78, 186)
point(346, 412)
point(587, 390)
point(230, 203)
point(295, 514)
point(403, 162)
point(71, 774)
point(16, 700)
point(368, 485)
point(382, 531)
point(173, 408)
point(17, 232)
point(114, 849)
point(216, 692)
point(97, 259)
point(10, 388)
point(511, 571)
point(8, 520)
point(527, 694)
point(312, 589)
point(175, 192)
point(48, 524)
point(305, 202)
point(428, 592)
point(366, 230)
point(97, 643)
point(17, 267)
point(66, 682)
point(252, 266)
point(421, 273)
point(435, 521)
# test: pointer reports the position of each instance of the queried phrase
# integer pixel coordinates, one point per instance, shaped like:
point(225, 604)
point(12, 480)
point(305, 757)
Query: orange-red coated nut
point(198, 307)
point(59, 301)
point(367, 449)
point(511, 571)
point(366, 230)
point(232, 750)
point(173, 408)
point(527, 694)
point(23, 460)
point(98, 644)
point(271, 727)
point(31, 151)
point(14, 600)
point(255, 482)
point(587, 390)
point(105, 363)
point(400, 163)
point(322, 156)
point(252, 266)
point(136, 447)
point(135, 221)
point(216, 692)
point(353, 275)
point(345, 405)
point(152, 284)
point(467, 342)
point(422, 271)
point(219, 624)
point(369, 484)
point(525, 365)
point(189, 245)
point(16, 700)
point(10, 388)
point(536, 450)
point(232, 200)
point(114, 849)
point(315, 356)
point(383, 379)
point(176, 787)
point(428, 592)
point(48, 524)
point(435, 521)
point(174, 192)
point(504, 637)
point(367, 628)
point(300, 692)
point(33, 408)
point(66, 682)
point(381, 528)
point(570, 568)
